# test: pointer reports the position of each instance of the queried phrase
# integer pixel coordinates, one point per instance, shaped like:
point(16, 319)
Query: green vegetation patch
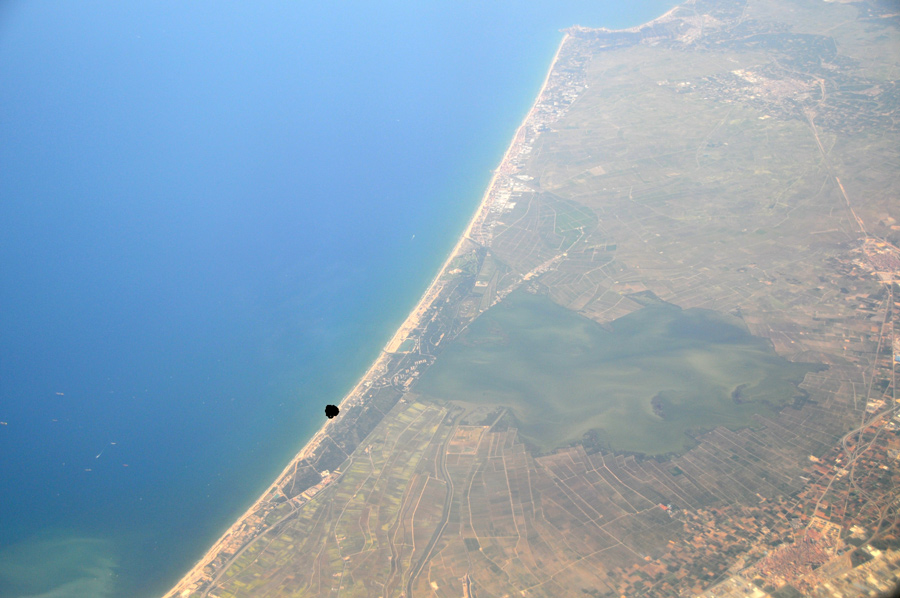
point(644, 383)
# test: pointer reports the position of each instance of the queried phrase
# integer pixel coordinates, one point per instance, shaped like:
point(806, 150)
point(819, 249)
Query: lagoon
point(645, 383)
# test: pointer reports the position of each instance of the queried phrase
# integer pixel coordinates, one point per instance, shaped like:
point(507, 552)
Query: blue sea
point(212, 217)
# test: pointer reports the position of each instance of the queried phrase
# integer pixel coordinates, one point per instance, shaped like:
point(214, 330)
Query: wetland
point(647, 382)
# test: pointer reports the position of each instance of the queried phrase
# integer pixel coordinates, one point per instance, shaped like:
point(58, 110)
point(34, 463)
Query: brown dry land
point(740, 157)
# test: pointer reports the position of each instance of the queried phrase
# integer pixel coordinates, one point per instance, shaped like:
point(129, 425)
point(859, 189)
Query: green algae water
point(645, 383)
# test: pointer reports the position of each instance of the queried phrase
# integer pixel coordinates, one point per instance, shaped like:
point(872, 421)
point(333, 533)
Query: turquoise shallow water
point(208, 217)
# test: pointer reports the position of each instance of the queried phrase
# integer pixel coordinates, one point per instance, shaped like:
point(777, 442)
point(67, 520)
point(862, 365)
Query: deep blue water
point(206, 234)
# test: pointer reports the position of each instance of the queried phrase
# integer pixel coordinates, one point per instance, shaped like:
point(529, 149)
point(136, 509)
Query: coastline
point(412, 321)
point(663, 18)
point(187, 583)
point(373, 502)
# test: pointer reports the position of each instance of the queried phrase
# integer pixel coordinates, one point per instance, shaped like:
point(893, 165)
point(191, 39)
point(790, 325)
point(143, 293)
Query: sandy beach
point(663, 18)
point(188, 582)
